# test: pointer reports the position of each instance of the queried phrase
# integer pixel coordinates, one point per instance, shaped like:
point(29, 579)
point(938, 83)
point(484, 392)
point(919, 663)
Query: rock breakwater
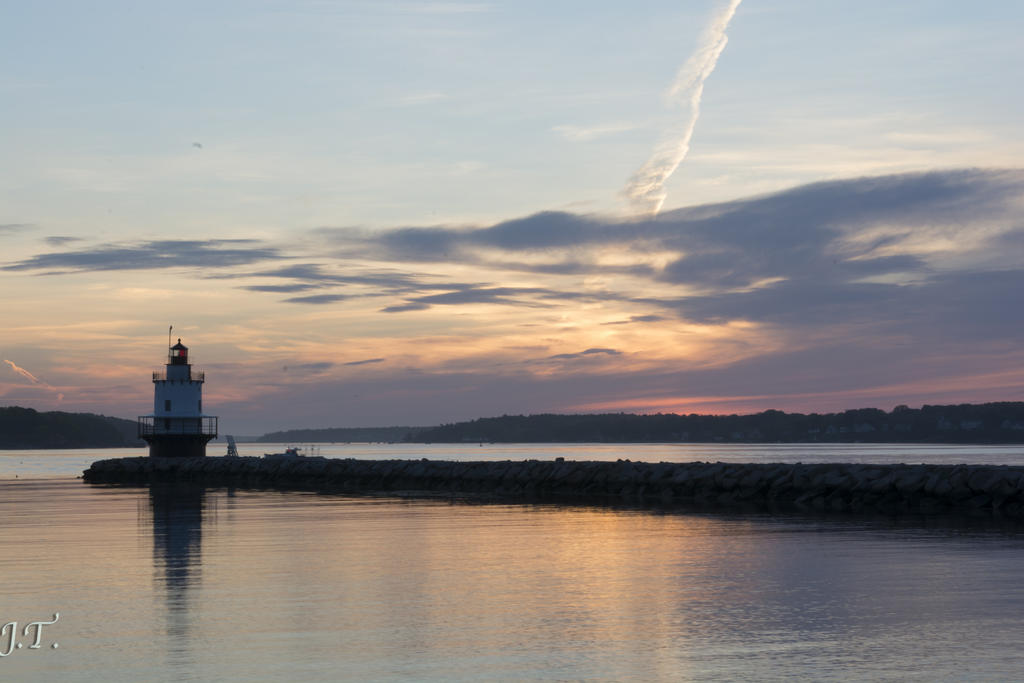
point(836, 487)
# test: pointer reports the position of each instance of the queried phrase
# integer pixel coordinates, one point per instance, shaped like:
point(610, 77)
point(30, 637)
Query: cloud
point(279, 288)
point(584, 354)
point(808, 380)
point(638, 319)
point(811, 224)
point(61, 240)
point(646, 188)
point(309, 276)
point(309, 367)
point(402, 308)
point(10, 228)
point(506, 296)
point(854, 249)
point(35, 380)
point(879, 251)
point(544, 230)
point(768, 231)
point(317, 299)
point(920, 264)
point(23, 372)
point(588, 133)
point(316, 274)
point(488, 295)
point(847, 292)
point(151, 255)
point(552, 229)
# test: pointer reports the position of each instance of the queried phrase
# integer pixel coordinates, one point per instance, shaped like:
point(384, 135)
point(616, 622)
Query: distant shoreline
point(28, 429)
point(987, 423)
point(1000, 423)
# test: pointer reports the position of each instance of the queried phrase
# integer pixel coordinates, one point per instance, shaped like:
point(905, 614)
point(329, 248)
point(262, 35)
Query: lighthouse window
point(167, 405)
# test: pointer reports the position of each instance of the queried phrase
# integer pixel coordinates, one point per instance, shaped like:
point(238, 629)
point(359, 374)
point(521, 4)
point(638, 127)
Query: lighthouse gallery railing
point(197, 426)
point(194, 376)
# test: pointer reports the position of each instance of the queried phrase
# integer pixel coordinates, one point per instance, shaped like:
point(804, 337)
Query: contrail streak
point(35, 380)
point(646, 189)
point(22, 371)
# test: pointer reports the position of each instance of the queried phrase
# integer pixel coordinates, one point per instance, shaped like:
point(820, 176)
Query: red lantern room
point(178, 354)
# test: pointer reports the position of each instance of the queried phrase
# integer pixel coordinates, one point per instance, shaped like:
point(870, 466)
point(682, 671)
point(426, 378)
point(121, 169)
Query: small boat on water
point(290, 452)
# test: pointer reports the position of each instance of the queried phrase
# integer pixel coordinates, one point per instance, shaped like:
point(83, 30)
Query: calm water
point(34, 464)
point(187, 584)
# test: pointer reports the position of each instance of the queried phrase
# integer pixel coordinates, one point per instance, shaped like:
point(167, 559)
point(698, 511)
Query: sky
point(410, 213)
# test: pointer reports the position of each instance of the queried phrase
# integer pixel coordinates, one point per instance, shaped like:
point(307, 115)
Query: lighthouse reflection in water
point(177, 510)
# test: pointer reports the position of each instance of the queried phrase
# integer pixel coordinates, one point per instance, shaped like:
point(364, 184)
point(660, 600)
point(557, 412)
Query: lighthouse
point(177, 427)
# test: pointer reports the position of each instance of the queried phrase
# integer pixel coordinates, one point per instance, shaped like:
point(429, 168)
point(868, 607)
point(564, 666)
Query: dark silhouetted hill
point(967, 423)
point(27, 428)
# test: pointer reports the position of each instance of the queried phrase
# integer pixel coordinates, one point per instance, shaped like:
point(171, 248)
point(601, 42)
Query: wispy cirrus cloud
point(158, 254)
point(281, 289)
point(518, 297)
point(593, 132)
point(637, 319)
point(584, 354)
point(10, 228)
point(61, 240)
point(317, 299)
point(309, 368)
point(509, 296)
point(320, 275)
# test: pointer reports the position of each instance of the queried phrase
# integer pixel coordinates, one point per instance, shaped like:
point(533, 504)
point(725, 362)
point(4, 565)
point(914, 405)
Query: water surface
point(65, 463)
point(192, 584)
point(181, 583)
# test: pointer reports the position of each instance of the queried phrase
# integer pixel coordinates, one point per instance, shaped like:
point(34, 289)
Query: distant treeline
point(342, 435)
point(984, 423)
point(26, 428)
point(967, 423)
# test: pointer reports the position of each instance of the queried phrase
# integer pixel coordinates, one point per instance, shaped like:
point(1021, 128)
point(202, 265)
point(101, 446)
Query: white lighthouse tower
point(177, 427)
